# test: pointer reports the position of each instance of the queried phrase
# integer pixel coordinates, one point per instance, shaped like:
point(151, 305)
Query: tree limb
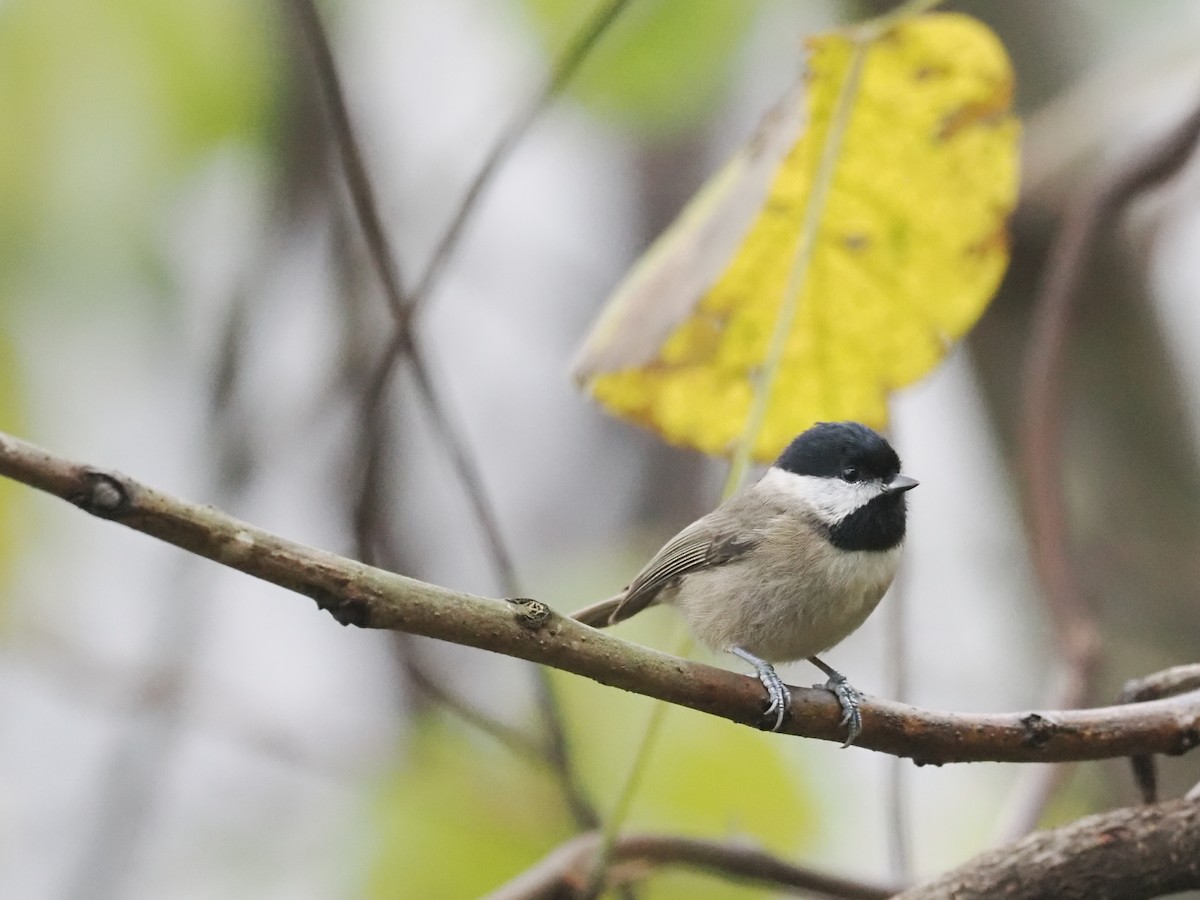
point(1122, 854)
point(368, 523)
point(1176, 680)
point(1091, 211)
point(367, 597)
point(565, 870)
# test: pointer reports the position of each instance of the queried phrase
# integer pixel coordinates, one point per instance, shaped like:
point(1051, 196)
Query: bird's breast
point(785, 609)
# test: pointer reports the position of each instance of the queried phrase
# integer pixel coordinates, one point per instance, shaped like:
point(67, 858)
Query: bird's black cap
point(829, 448)
point(853, 452)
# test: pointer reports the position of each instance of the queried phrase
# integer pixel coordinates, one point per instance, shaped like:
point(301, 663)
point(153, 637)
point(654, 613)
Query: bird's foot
point(777, 692)
point(849, 699)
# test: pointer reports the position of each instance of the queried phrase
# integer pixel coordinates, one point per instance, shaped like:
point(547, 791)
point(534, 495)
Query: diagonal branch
point(372, 434)
point(1176, 680)
point(1076, 631)
point(565, 870)
point(564, 69)
point(367, 597)
point(366, 208)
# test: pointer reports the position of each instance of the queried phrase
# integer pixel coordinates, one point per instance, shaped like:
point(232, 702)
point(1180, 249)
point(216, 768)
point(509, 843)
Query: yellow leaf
point(909, 246)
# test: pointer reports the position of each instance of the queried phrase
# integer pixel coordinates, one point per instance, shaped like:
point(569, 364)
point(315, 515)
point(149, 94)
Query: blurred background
point(185, 296)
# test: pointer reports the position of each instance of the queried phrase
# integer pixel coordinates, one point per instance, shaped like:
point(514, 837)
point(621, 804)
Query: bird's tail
point(602, 613)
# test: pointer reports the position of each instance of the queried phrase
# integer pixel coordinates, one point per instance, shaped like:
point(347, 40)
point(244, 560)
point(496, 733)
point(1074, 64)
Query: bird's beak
point(900, 483)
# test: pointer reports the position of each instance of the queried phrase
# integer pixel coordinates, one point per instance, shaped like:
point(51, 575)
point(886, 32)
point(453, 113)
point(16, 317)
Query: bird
point(789, 566)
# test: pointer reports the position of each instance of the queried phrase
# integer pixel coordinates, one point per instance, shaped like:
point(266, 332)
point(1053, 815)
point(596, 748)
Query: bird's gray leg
point(848, 698)
point(780, 696)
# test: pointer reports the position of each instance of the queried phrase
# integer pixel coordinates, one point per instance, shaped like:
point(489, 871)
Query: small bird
point(790, 565)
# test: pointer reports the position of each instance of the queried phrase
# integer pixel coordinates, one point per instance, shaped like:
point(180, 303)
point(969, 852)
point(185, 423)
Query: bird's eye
point(850, 473)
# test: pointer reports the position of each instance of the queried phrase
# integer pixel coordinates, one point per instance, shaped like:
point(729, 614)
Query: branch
point(563, 70)
point(1122, 854)
point(564, 871)
point(1077, 634)
point(367, 597)
point(1171, 682)
point(366, 208)
point(367, 519)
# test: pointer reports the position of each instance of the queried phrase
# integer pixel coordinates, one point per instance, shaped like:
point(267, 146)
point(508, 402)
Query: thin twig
point(131, 779)
point(603, 857)
point(1076, 633)
point(806, 241)
point(367, 597)
point(1176, 680)
point(563, 872)
point(361, 194)
point(466, 469)
point(562, 71)
point(403, 342)
point(134, 772)
point(105, 684)
point(897, 805)
point(558, 753)
point(514, 739)
point(367, 515)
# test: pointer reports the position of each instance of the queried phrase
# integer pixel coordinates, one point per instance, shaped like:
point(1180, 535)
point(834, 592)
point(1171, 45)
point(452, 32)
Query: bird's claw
point(780, 697)
point(778, 694)
point(850, 701)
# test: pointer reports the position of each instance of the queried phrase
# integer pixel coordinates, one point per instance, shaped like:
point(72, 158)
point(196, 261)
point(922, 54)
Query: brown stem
point(1077, 634)
point(1122, 854)
point(1168, 683)
point(366, 207)
point(563, 873)
point(361, 595)
point(368, 520)
point(564, 69)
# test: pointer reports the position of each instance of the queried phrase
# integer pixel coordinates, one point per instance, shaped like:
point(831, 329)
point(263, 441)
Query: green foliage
point(706, 777)
point(463, 814)
point(106, 102)
point(661, 65)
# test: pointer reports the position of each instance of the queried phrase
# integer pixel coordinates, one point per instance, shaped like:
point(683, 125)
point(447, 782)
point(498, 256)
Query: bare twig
point(368, 514)
point(543, 752)
point(361, 595)
point(361, 195)
point(563, 872)
point(467, 471)
point(1176, 680)
point(558, 755)
point(563, 70)
point(1076, 631)
point(132, 776)
point(897, 802)
point(366, 209)
point(1122, 854)
point(514, 739)
point(135, 770)
point(120, 689)
point(372, 435)
point(403, 309)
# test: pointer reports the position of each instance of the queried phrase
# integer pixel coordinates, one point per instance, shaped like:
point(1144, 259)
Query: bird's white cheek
point(832, 498)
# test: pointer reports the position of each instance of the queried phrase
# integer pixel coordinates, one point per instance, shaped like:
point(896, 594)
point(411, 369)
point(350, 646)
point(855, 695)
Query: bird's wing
point(701, 545)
